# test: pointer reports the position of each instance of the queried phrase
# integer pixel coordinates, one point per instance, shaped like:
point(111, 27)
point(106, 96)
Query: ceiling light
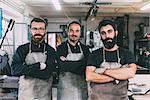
point(56, 3)
point(147, 6)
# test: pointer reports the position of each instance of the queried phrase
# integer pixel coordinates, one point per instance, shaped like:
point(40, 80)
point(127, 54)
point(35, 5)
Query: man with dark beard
point(109, 68)
point(72, 57)
point(34, 63)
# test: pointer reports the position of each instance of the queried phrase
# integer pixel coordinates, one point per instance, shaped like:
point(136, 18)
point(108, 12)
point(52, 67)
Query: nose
point(107, 35)
point(72, 33)
point(37, 31)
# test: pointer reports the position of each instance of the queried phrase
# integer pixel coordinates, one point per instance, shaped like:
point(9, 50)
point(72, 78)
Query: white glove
point(42, 66)
point(100, 70)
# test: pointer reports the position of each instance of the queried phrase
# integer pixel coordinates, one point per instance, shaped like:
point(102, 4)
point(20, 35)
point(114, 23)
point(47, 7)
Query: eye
point(41, 28)
point(103, 33)
point(71, 30)
point(34, 28)
point(77, 31)
point(110, 31)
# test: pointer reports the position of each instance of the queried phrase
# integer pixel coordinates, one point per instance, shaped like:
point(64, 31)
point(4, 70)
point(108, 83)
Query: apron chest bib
point(33, 88)
point(72, 86)
point(110, 90)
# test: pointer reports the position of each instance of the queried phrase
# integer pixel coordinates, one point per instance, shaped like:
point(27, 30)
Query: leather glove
point(100, 70)
point(42, 66)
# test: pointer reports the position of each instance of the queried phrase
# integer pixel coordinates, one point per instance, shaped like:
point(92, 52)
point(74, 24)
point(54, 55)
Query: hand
point(105, 65)
point(124, 66)
point(100, 70)
point(62, 58)
point(117, 81)
point(42, 66)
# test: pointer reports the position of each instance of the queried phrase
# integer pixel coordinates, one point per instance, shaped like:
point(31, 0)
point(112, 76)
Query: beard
point(109, 42)
point(38, 38)
point(73, 38)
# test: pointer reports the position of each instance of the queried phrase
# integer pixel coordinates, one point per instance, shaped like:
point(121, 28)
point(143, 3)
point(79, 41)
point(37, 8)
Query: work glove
point(42, 66)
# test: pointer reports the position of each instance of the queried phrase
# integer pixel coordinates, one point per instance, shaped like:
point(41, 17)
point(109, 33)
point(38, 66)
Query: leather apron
point(33, 88)
point(72, 86)
point(112, 90)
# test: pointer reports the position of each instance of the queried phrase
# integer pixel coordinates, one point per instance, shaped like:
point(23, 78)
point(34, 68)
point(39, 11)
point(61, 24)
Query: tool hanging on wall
point(4, 65)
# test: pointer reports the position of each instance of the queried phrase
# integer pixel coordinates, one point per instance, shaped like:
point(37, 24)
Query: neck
point(72, 43)
point(112, 49)
point(39, 42)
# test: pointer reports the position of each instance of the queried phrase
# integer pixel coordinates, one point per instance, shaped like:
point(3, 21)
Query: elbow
point(133, 71)
point(89, 74)
point(88, 78)
point(131, 75)
point(16, 72)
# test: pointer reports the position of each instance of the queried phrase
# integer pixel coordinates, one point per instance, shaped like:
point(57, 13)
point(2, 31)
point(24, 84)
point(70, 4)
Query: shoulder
point(123, 50)
point(98, 50)
point(84, 46)
point(62, 45)
point(50, 48)
point(23, 47)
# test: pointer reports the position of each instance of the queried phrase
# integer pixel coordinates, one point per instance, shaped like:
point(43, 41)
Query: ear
point(116, 33)
point(45, 31)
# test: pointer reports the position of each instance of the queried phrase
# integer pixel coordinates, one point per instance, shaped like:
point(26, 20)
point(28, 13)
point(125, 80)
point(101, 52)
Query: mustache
point(38, 35)
point(108, 39)
point(73, 36)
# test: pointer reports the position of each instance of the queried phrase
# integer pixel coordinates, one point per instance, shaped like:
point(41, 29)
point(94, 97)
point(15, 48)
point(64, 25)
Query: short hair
point(107, 22)
point(73, 22)
point(39, 20)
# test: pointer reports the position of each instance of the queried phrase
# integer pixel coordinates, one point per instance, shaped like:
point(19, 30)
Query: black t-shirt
point(77, 67)
point(96, 57)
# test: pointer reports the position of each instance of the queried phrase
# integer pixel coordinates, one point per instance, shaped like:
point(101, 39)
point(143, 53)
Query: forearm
point(43, 74)
point(21, 69)
point(77, 67)
point(122, 73)
point(98, 78)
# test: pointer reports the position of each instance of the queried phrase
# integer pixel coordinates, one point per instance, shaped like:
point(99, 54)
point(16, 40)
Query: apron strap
point(80, 47)
point(119, 59)
point(69, 49)
point(30, 47)
point(45, 51)
point(104, 59)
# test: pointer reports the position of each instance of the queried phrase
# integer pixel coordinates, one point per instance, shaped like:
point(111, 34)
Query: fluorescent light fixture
point(147, 6)
point(113, 1)
point(56, 3)
point(77, 1)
